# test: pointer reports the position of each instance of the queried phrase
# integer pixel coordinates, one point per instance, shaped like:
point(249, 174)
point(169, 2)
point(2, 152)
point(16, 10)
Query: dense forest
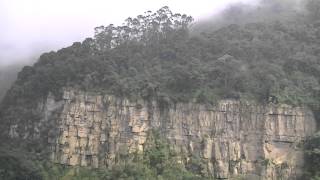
point(158, 55)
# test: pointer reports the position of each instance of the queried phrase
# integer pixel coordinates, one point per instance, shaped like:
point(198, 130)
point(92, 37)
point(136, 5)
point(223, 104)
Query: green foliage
point(153, 55)
point(17, 165)
point(158, 162)
point(164, 161)
point(312, 157)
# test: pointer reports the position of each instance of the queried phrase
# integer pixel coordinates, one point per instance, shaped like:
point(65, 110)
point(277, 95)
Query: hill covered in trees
point(157, 56)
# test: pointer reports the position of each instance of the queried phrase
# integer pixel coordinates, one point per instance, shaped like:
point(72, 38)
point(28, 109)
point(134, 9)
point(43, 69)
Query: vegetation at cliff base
point(312, 158)
point(158, 162)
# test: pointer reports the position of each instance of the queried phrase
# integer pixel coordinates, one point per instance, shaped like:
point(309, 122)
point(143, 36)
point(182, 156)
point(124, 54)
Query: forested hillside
point(159, 56)
point(154, 55)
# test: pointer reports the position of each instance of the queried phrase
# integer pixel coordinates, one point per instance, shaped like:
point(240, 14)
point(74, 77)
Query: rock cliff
point(232, 137)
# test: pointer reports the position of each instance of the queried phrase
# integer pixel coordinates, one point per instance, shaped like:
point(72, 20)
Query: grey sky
point(30, 27)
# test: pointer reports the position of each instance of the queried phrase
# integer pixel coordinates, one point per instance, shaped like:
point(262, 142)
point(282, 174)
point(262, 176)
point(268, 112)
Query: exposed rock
point(232, 137)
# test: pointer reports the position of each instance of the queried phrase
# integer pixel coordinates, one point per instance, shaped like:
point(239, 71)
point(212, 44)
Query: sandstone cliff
point(233, 137)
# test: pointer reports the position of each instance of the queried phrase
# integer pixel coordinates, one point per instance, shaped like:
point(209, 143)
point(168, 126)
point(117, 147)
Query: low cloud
point(29, 28)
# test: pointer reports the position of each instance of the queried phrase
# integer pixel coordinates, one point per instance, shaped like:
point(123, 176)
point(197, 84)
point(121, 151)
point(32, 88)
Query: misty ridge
point(266, 11)
point(8, 74)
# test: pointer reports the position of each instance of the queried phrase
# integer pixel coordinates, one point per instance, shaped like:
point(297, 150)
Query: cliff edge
point(232, 137)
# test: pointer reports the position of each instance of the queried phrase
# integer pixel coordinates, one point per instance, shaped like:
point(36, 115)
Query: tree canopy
point(155, 55)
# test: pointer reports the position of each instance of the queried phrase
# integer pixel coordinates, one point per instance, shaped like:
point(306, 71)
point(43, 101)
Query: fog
point(258, 11)
point(29, 28)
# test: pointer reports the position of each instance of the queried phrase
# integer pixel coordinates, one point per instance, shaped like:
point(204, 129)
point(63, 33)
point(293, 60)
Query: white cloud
point(28, 27)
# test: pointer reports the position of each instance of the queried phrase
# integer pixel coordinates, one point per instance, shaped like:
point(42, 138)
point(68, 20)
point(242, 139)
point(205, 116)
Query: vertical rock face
point(233, 138)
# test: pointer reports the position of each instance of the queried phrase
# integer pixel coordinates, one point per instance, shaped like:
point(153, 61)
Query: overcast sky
point(30, 27)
